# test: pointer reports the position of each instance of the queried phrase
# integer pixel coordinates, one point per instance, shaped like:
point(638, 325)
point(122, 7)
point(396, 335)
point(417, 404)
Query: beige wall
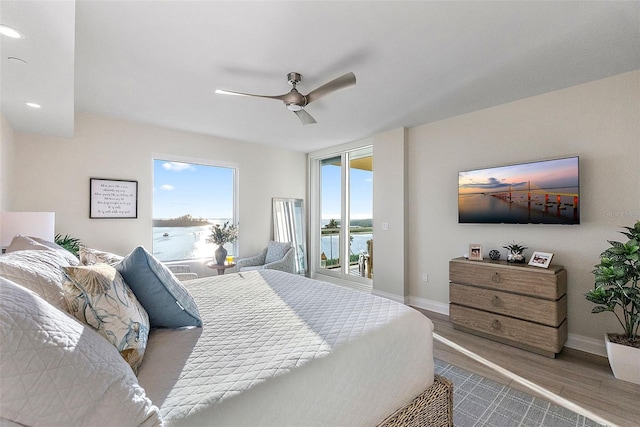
point(389, 197)
point(54, 176)
point(598, 121)
point(7, 162)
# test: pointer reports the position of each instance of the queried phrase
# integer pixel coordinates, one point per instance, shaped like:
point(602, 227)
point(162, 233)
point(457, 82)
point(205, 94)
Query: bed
point(274, 349)
point(282, 349)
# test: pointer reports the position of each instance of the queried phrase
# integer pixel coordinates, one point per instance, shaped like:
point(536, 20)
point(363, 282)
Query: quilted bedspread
point(278, 349)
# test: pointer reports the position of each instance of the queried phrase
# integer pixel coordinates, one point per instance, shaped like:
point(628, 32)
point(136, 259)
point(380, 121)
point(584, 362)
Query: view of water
point(175, 243)
point(497, 208)
point(330, 244)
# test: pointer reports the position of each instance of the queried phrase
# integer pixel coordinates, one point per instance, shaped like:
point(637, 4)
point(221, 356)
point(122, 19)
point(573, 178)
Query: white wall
point(54, 176)
point(389, 200)
point(7, 162)
point(598, 121)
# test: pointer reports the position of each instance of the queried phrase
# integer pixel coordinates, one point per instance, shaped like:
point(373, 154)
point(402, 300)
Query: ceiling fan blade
point(228, 92)
point(305, 117)
point(341, 82)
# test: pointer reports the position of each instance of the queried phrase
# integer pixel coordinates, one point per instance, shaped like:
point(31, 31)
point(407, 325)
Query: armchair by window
point(277, 256)
point(182, 272)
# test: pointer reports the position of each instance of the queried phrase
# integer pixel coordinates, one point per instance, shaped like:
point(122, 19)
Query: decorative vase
point(494, 255)
point(515, 257)
point(624, 361)
point(221, 255)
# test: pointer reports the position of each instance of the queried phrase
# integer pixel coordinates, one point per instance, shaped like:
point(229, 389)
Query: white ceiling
point(159, 62)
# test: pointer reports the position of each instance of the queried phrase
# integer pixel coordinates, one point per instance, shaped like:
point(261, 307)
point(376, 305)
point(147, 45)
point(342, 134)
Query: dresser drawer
point(546, 312)
point(524, 280)
point(509, 330)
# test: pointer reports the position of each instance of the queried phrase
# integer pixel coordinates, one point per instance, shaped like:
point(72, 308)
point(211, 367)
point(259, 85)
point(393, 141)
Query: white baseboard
point(393, 297)
point(427, 304)
point(586, 344)
point(576, 342)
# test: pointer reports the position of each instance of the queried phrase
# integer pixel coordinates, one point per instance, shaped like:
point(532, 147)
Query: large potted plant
point(616, 291)
point(221, 235)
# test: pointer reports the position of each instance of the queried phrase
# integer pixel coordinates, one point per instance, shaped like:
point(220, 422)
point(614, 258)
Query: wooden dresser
point(515, 304)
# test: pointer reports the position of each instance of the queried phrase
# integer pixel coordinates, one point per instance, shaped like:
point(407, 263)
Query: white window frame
point(332, 275)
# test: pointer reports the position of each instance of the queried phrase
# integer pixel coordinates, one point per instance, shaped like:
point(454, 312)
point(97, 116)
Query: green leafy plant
point(516, 248)
point(221, 235)
point(616, 285)
point(72, 244)
point(516, 252)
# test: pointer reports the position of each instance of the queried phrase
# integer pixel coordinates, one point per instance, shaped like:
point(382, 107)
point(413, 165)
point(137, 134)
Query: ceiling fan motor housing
point(294, 78)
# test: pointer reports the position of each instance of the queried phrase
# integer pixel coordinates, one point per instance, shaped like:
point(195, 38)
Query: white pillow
point(56, 371)
point(24, 243)
point(37, 270)
point(73, 260)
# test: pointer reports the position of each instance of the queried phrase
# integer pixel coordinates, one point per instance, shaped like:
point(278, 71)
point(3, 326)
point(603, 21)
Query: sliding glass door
point(344, 227)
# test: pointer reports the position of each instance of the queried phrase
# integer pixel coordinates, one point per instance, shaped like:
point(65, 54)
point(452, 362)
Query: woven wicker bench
point(432, 408)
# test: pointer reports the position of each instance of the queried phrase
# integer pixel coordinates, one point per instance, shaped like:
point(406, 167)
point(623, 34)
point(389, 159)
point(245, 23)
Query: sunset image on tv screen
point(545, 192)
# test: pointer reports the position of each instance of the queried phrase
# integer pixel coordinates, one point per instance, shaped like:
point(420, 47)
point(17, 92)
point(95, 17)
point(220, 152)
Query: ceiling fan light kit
point(295, 101)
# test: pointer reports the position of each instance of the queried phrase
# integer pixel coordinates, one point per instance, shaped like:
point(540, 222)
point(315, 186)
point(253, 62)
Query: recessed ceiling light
point(10, 32)
point(33, 105)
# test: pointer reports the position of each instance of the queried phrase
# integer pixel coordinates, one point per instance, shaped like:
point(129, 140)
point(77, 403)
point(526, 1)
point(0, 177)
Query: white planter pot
point(624, 361)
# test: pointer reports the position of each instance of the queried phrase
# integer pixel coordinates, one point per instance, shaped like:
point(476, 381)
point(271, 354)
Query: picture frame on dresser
point(541, 259)
point(475, 252)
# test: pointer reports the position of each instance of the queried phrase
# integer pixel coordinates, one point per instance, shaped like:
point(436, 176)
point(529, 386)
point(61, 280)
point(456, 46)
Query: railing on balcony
point(358, 249)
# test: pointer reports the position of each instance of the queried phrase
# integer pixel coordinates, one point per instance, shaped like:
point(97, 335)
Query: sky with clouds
point(199, 190)
point(559, 173)
point(184, 188)
point(361, 193)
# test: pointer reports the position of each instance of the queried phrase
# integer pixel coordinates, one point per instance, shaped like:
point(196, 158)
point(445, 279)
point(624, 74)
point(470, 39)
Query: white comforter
point(277, 349)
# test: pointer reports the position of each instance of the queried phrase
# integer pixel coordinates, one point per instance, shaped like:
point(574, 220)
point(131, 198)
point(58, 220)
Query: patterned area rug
point(478, 401)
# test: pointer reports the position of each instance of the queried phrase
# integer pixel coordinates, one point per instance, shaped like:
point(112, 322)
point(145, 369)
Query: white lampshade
point(32, 224)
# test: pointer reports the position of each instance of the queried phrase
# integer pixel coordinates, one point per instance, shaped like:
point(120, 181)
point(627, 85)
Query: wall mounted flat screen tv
point(543, 192)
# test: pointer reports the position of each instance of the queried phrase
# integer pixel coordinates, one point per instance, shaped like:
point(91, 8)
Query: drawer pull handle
point(496, 325)
point(496, 277)
point(496, 302)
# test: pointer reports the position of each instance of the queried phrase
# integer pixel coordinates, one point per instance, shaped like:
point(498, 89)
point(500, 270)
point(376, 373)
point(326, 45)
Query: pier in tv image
point(544, 192)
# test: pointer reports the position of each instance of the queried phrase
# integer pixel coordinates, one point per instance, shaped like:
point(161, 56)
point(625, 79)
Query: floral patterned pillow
point(98, 296)
point(89, 256)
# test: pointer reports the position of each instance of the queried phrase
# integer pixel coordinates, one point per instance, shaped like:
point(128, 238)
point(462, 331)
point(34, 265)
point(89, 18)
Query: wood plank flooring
point(579, 381)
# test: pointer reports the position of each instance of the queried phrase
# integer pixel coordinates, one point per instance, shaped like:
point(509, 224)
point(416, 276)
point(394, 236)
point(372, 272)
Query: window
point(188, 198)
point(345, 197)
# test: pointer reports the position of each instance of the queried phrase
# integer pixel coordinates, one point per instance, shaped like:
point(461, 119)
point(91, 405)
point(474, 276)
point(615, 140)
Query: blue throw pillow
point(168, 303)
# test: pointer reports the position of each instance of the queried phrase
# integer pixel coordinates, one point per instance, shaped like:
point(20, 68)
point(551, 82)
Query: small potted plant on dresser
point(516, 252)
point(616, 291)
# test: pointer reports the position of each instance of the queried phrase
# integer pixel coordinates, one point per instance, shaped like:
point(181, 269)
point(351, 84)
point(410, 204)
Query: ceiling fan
point(295, 101)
